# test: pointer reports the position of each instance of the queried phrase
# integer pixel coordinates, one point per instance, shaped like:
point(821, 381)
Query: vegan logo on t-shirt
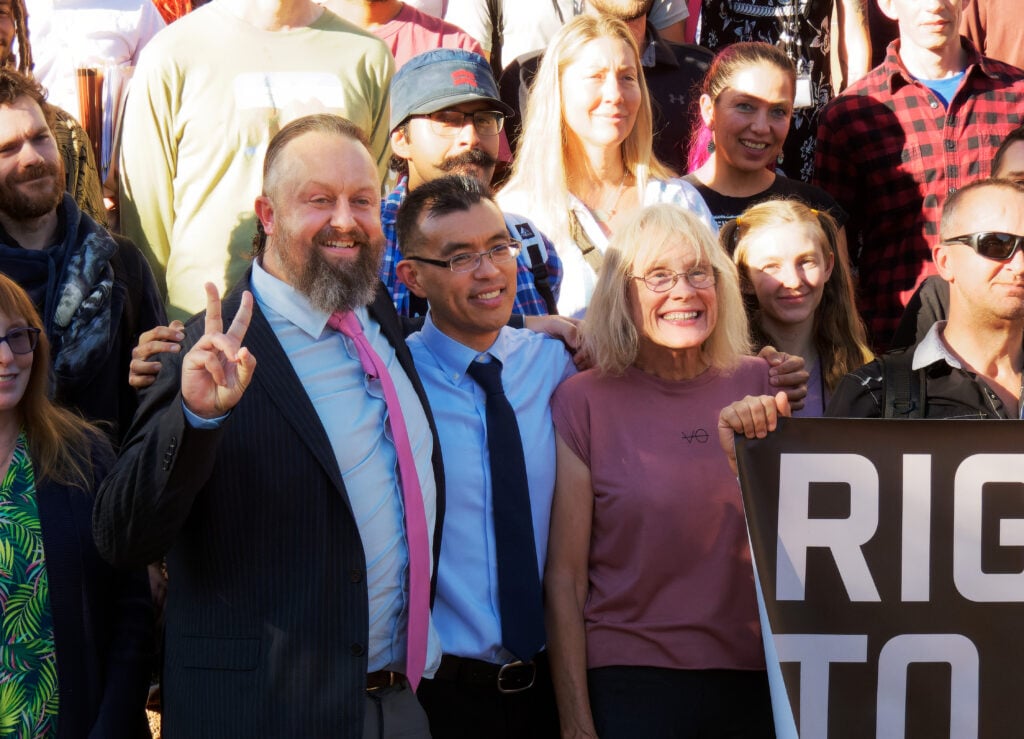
point(698, 435)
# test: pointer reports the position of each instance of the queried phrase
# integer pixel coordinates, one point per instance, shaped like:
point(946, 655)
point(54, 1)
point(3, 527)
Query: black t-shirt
point(725, 208)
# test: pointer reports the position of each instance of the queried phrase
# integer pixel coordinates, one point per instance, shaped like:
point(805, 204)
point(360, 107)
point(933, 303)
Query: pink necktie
point(412, 497)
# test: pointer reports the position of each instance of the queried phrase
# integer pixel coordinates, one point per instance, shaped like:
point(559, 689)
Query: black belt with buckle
point(383, 679)
point(514, 677)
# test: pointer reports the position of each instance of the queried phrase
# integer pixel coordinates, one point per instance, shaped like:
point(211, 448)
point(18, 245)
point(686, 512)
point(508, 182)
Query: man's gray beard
point(332, 288)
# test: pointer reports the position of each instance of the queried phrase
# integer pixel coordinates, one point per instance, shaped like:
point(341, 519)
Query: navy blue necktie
point(519, 591)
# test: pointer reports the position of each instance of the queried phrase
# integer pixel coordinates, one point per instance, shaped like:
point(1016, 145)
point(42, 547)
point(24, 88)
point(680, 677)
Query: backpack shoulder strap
point(903, 386)
point(593, 256)
point(533, 243)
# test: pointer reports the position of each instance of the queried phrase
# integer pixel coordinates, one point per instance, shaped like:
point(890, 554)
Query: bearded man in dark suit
point(301, 568)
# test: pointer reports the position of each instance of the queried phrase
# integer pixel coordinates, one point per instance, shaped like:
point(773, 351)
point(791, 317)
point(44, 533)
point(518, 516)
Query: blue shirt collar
point(453, 357)
point(284, 300)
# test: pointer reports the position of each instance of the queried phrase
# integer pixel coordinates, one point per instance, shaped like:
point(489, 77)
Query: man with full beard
point(446, 118)
point(94, 292)
point(295, 500)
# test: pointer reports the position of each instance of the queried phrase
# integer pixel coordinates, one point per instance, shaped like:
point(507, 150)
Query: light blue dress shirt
point(353, 413)
point(466, 611)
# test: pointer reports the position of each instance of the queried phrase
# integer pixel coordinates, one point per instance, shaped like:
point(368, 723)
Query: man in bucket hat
point(446, 118)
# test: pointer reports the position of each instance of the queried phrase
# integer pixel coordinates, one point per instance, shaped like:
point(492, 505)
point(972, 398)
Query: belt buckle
point(390, 678)
point(512, 677)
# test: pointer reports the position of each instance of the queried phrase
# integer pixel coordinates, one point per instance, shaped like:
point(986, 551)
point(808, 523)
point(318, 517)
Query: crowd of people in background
point(362, 360)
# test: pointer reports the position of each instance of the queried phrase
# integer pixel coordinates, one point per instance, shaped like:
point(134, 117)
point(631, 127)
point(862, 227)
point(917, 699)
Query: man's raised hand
point(217, 370)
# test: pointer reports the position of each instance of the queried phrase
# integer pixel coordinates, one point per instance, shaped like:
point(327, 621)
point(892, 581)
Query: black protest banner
point(890, 556)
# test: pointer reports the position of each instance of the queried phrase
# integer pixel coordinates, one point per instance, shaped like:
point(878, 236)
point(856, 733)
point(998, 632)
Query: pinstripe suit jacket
point(267, 609)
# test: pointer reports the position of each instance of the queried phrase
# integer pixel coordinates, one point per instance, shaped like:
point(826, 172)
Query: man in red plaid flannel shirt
point(919, 126)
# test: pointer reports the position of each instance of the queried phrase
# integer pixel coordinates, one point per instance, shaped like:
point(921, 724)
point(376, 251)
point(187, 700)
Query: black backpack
point(905, 395)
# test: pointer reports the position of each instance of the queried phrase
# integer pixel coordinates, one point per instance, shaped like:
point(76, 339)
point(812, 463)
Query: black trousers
point(630, 702)
point(464, 702)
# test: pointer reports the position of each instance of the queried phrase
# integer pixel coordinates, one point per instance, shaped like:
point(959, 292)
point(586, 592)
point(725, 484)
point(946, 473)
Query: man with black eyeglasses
point(490, 386)
point(972, 364)
point(446, 118)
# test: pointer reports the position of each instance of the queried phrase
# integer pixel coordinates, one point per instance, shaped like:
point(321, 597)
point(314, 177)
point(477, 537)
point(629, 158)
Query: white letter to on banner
point(971, 581)
point(815, 652)
point(902, 650)
point(843, 536)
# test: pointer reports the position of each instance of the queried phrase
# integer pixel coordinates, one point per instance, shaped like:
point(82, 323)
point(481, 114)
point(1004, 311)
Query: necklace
point(605, 214)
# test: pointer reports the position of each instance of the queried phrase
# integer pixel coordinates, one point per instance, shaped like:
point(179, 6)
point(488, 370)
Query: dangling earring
point(711, 147)
point(778, 159)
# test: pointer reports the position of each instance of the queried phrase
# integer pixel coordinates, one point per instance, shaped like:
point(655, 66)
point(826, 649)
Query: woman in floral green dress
point(74, 632)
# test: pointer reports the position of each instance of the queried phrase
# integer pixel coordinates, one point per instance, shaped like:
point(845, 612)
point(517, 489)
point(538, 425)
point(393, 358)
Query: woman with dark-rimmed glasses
point(75, 634)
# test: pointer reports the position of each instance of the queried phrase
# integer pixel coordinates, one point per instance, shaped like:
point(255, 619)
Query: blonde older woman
point(653, 624)
point(580, 185)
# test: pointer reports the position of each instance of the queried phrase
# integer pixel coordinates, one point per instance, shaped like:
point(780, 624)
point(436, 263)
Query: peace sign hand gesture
point(217, 370)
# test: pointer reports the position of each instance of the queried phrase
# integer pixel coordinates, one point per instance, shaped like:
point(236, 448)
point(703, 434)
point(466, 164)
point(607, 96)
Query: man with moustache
point(295, 500)
point(970, 365)
point(494, 679)
point(95, 292)
point(446, 118)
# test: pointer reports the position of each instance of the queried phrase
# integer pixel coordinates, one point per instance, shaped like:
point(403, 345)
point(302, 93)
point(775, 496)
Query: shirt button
point(933, 104)
point(355, 575)
point(951, 190)
point(357, 649)
point(950, 145)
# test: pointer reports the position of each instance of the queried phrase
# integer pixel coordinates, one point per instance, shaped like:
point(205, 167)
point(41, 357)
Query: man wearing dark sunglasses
point(970, 365)
point(897, 142)
point(931, 301)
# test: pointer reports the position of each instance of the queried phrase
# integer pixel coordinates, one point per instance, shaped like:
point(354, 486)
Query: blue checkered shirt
point(529, 301)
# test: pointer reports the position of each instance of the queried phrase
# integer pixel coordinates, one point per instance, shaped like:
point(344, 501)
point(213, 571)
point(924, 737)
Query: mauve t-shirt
point(671, 583)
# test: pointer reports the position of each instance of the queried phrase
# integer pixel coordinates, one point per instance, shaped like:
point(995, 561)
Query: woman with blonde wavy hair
point(800, 291)
point(580, 185)
point(652, 617)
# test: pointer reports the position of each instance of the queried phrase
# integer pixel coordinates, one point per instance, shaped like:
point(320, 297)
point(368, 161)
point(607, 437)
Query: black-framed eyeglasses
point(469, 262)
point(449, 123)
point(21, 340)
point(991, 244)
point(663, 280)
